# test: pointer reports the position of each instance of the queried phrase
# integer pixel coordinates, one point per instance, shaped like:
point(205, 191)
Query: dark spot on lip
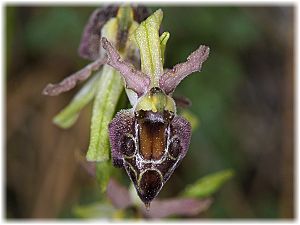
point(128, 145)
point(149, 185)
point(175, 148)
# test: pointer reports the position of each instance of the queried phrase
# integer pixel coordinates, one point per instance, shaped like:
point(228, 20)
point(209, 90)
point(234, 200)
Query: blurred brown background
point(243, 99)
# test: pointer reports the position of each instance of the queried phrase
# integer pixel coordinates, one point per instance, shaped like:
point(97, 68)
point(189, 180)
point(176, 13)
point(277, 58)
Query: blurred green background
point(243, 99)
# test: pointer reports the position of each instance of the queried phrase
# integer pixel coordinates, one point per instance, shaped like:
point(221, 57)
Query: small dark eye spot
point(128, 145)
point(175, 148)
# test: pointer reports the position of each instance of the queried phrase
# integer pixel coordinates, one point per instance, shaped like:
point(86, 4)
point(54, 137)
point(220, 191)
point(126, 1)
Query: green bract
point(108, 93)
point(148, 41)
